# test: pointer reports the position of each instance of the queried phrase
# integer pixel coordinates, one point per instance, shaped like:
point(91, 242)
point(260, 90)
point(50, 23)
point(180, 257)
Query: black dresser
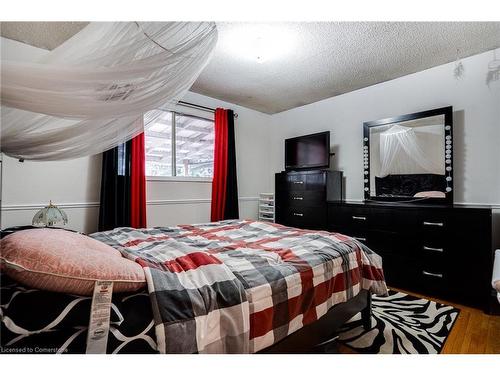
point(301, 197)
point(442, 251)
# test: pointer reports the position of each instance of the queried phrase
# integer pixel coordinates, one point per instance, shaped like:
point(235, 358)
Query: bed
point(236, 286)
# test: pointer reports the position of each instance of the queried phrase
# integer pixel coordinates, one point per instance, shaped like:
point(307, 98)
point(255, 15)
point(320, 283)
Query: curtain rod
point(200, 107)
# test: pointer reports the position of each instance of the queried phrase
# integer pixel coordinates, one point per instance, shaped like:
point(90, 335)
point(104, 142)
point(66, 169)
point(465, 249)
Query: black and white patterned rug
point(401, 324)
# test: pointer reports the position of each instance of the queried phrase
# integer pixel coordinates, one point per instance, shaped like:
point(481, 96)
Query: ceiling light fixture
point(258, 42)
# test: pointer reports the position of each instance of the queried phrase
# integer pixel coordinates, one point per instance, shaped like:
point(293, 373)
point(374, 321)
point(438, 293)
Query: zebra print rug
point(401, 324)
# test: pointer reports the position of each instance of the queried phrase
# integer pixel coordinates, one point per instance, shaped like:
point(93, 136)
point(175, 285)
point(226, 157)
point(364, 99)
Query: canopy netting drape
point(401, 152)
point(89, 94)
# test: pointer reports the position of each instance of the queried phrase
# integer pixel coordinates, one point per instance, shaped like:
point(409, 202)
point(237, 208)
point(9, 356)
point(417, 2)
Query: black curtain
point(231, 210)
point(114, 210)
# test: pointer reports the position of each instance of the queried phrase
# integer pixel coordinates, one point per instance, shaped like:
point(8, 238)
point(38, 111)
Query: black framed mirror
point(409, 158)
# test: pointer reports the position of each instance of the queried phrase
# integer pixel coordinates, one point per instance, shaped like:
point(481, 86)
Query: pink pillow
point(62, 261)
point(430, 194)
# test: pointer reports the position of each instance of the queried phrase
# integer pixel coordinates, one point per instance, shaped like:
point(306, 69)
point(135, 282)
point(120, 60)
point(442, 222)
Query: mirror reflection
point(407, 159)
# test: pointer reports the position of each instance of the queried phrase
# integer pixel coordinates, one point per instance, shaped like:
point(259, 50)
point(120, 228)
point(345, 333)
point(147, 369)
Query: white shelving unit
point(266, 207)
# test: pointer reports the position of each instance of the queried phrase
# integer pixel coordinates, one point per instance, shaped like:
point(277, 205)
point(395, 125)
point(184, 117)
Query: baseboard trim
point(81, 205)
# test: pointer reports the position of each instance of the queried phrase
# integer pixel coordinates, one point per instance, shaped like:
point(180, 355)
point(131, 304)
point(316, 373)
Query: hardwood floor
point(474, 331)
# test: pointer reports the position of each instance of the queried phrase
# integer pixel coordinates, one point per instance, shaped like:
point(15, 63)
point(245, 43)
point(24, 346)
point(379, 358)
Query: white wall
point(74, 185)
point(28, 186)
point(476, 128)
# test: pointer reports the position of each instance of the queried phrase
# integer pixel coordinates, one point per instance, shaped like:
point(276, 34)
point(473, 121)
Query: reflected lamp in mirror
point(49, 216)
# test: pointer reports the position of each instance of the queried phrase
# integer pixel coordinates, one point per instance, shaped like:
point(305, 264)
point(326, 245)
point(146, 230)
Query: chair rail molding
point(82, 205)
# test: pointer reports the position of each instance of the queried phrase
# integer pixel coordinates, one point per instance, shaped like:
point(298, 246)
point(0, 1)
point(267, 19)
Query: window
point(194, 146)
point(178, 145)
point(158, 143)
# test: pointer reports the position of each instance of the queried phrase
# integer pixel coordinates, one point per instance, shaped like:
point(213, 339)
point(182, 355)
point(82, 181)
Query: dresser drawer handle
point(298, 182)
point(362, 239)
point(439, 275)
point(359, 218)
point(298, 198)
point(297, 214)
point(437, 249)
point(433, 224)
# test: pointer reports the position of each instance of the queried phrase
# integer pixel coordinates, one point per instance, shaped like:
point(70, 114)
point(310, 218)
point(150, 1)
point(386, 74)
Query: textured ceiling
point(329, 59)
point(324, 59)
point(46, 35)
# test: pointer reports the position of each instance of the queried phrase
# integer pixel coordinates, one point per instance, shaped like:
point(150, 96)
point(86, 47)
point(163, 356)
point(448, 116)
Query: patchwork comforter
point(240, 286)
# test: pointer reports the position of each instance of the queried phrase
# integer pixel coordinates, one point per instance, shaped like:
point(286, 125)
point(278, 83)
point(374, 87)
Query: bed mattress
point(276, 278)
point(37, 321)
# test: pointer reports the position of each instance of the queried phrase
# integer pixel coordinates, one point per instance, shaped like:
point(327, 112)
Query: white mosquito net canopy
point(89, 94)
point(401, 152)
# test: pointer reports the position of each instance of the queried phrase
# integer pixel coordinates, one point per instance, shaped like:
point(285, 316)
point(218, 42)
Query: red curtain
point(138, 183)
point(219, 182)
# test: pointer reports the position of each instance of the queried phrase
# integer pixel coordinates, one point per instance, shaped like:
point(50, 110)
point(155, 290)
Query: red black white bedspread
point(241, 286)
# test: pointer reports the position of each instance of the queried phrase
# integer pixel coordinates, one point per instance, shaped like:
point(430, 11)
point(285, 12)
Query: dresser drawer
point(341, 216)
point(378, 218)
point(306, 198)
point(359, 233)
point(433, 255)
point(305, 217)
point(306, 181)
point(316, 181)
point(407, 273)
point(295, 182)
point(389, 219)
point(433, 278)
point(379, 243)
point(434, 284)
point(392, 243)
point(434, 221)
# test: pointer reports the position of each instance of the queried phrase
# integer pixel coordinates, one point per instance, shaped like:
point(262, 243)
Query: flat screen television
point(308, 151)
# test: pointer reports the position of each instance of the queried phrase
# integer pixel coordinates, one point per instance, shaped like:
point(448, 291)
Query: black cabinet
point(301, 197)
point(444, 251)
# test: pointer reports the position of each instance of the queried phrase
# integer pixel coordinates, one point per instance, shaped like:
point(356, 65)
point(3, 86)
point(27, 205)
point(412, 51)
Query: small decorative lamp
point(50, 215)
